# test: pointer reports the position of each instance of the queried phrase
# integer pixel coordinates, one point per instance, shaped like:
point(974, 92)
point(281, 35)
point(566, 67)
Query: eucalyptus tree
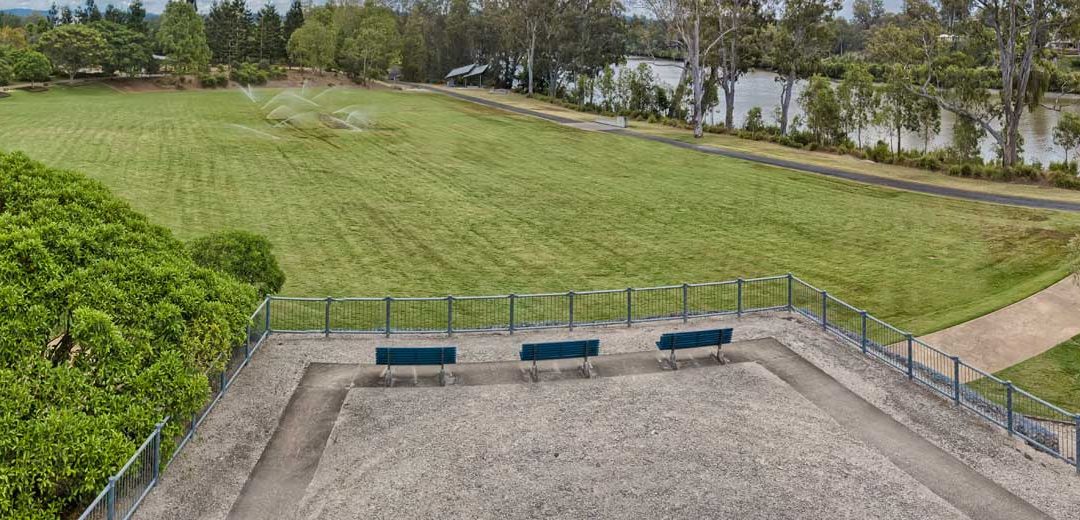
point(799, 39)
point(690, 24)
point(857, 99)
point(740, 24)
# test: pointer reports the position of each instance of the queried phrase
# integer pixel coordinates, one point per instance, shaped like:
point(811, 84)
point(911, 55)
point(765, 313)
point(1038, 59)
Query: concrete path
point(276, 485)
point(945, 475)
point(1020, 331)
point(791, 165)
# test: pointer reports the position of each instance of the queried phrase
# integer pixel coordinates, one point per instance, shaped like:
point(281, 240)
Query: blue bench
point(674, 341)
point(396, 356)
point(582, 348)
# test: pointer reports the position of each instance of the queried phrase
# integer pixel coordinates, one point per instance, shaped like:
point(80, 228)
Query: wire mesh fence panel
point(806, 299)
point(358, 315)
point(844, 320)
point(541, 310)
point(763, 294)
point(984, 394)
point(1045, 426)
point(98, 509)
point(135, 478)
point(297, 314)
point(657, 303)
point(419, 315)
point(257, 323)
point(705, 299)
point(599, 307)
point(887, 343)
point(479, 313)
point(237, 356)
point(933, 368)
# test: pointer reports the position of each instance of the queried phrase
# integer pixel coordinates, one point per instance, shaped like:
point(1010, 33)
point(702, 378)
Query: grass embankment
point(816, 158)
point(1053, 375)
point(446, 197)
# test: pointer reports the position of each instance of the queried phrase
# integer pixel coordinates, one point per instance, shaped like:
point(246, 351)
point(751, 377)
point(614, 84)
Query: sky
point(156, 6)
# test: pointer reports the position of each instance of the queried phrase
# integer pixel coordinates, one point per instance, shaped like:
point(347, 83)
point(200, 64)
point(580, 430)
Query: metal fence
point(1041, 424)
point(127, 488)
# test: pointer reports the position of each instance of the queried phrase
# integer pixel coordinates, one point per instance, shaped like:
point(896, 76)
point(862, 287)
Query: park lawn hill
point(435, 196)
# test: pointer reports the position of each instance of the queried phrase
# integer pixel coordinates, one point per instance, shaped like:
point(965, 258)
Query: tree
point(688, 24)
point(867, 13)
point(857, 100)
point(294, 19)
point(269, 43)
point(532, 18)
point(799, 39)
point(136, 17)
point(1067, 133)
point(313, 46)
point(32, 66)
point(129, 51)
point(13, 37)
point(73, 47)
point(114, 15)
point(90, 12)
point(898, 108)
point(823, 111)
point(740, 24)
point(928, 117)
point(966, 137)
point(229, 26)
point(414, 52)
point(375, 46)
point(183, 39)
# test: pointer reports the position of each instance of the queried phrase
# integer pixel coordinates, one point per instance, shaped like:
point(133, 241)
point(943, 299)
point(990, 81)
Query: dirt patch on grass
point(37, 88)
point(136, 85)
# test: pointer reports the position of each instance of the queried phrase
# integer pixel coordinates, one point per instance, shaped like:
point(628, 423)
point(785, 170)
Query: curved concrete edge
point(1017, 332)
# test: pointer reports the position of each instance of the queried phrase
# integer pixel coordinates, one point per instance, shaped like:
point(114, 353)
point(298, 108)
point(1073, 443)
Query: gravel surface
point(728, 442)
point(207, 477)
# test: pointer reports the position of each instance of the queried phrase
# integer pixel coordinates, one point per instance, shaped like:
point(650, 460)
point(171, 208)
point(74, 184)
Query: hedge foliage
point(107, 326)
point(243, 255)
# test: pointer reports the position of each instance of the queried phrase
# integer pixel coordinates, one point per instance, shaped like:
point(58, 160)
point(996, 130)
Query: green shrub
point(249, 74)
point(146, 325)
point(212, 80)
point(245, 256)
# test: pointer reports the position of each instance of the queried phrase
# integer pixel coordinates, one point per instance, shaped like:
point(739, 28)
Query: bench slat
point(694, 339)
point(560, 350)
point(415, 355)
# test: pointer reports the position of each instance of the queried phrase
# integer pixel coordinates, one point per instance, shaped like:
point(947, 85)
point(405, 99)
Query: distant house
point(462, 75)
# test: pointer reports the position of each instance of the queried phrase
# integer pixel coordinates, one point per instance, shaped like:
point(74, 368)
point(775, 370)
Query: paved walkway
point(285, 468)
point(791, 165)
point(1020, 331)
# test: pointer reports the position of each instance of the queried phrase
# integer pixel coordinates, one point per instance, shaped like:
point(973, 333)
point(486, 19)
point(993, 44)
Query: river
point(759, 89)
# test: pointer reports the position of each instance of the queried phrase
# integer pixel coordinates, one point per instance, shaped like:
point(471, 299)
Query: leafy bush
point(249, 74)
point(243, 255)
point(213, 80)
point(108, 328)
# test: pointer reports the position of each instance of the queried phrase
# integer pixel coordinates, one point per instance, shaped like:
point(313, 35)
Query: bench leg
point(586, 369)
point(442, 375)
point(389, 377)
point(535, 373)
point(720, 356)
point(672, 362)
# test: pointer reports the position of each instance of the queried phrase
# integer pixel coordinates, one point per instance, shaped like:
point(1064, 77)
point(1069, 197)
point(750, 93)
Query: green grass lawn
point(1053, 375)
point(446, 197)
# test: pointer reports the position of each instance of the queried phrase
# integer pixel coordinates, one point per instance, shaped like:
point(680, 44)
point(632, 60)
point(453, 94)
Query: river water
point(759, 89)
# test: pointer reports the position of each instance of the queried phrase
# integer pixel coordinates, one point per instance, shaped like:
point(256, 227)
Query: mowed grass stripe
point(446, 197)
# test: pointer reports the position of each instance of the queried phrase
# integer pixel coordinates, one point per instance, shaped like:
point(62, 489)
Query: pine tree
point(136, 17)
point(269, 44)
point(294, 19)
point(90, 12)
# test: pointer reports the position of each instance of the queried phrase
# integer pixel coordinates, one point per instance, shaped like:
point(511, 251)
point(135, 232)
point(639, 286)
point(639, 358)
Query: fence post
point(738, 298)
point(956, 379)
point(269, 300)
point(388, 300)
point(629, 306)
point(571, 295)
point(157, 449)
point(1076, 447)
point(449, 315)
point(790, 291)
point(512, 298)
point(685, 302)
point(864, 332)
point(910, 356)
point(326, 326)
point(824, 310)
point(110, 499)
point(1009, 405)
